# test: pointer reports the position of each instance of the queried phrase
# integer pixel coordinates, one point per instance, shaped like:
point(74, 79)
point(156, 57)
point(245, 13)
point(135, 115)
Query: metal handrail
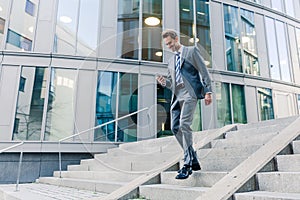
point(20, 161)
point(93, 128)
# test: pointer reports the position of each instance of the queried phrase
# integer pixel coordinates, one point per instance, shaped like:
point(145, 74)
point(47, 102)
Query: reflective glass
point(61, 103)
point(223, 104)
point(66, 27)
point(238, 104)
point(22, 24)
point(232, 35)
point(272, 49)
point(265, 104)
point(249, 42)
point(88, 27)
point(277, 5)
point(128, 24)
point(4, 5)
point(163, 111)
point(152, 28)
point(283, 54)
point(289, 7)
point(128, 99)
point(203, 30)
point(298, 41)
point(186, 22)
point(106, 105)
point(30, 106)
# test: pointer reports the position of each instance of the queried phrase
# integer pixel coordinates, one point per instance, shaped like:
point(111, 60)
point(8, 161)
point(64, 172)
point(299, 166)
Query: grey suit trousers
point(182, 112)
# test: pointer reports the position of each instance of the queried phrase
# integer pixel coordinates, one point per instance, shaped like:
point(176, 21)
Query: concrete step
point(288, 163)
point(286, 182)
point(254, 132)
point(170, 192)
point(97, 175)
point(78, 168)
point(197, 179)
point(236, 141)
point(37, 191)
point(296, 146)
point(285, 121)
point(226, 164)
point(83, 184)
point(264, 195)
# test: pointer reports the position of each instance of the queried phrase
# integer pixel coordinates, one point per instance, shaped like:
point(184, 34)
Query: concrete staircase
point(223, 155)
point(119, 167)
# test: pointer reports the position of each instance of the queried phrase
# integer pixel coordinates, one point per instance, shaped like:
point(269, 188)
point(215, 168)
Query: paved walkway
point(37, 191)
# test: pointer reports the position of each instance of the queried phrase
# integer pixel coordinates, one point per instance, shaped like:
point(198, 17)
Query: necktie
point(177, 69)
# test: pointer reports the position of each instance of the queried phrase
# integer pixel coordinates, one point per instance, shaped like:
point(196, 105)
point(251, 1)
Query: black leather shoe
point(196, 166)
point(184, 172)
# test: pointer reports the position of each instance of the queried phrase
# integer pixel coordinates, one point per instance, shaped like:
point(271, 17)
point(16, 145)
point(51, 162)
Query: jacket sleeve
point(168, 79)
point(200, 65)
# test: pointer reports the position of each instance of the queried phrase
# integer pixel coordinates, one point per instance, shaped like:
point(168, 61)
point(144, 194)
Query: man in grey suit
point(189, 81)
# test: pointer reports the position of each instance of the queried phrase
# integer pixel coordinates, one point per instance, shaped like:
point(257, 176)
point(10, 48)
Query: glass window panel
point(4, 5)
point(22, 24)
point(152, 28)
point(18, 40)
point(186, 22)
point(29, 115)
point(60, 112)
point(203, 30)
point(233, 46)
point(128, 99)
point(87, 34)
point(249, 42)
point(265, 104)
point(298, 41)
point(272, 49)
point(277, 5)
point(128, 32)
point(289, 7)
point(66, 26)
point(238, 104)
point(163, 111)
point(283, 54)
point(106, 105)
point(223, 104)
point(30, 8)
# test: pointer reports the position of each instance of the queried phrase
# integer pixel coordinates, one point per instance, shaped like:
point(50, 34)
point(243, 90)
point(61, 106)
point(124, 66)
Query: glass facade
point(61, 104)
point(74, 33)
point(265, 103)
point(248, 34)
point(30, 106)
point(117, 95)
point(22, 25)
point(195, 26)
point(130, 32)
point(233, 40)
point(46, 94)
point(231, 107)
point(277, 50)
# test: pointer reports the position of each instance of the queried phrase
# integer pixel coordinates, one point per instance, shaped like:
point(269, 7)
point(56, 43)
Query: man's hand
point(161, 80)
point(208, 99)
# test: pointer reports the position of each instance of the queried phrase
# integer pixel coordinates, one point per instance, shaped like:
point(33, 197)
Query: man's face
point(171, 43)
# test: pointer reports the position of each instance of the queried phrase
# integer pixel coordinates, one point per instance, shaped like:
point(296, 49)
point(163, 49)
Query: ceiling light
point(152, 21)
point(158, 53)
point(30, 29)
point(200, 13)
point(65, 19)
point(185, 10)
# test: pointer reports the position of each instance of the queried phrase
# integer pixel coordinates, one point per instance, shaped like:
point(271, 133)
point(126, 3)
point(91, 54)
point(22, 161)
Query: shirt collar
point(180, 50)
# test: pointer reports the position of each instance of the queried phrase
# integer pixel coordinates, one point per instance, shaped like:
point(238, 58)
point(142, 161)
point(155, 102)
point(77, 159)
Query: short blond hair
point(169, 32)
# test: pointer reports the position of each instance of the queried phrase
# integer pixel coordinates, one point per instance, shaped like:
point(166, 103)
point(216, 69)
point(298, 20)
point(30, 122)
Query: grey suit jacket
point(193, 71)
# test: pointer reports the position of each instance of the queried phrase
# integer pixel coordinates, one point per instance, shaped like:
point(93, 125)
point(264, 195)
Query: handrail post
point(19, 170)
point(59, 158)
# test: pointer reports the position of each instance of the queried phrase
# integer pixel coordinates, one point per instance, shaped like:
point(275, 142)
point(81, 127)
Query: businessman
point(189, 81)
